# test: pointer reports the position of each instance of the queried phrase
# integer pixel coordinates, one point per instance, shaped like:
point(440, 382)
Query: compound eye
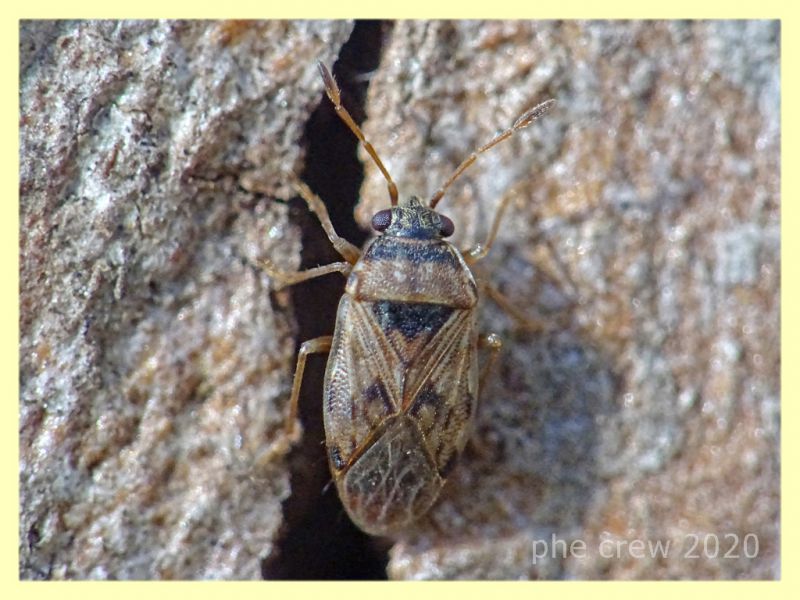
point(382, 219)
point(446, 228)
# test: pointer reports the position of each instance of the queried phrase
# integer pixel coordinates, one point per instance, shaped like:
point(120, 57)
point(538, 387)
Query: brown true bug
point(402, 379)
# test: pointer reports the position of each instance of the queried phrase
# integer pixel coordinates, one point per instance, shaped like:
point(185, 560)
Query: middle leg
point(319, 345)
point(291, 431)
point(493, 342)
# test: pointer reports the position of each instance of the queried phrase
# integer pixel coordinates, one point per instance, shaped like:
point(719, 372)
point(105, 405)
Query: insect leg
point(313, 346)
point(478, 251)
point(291, 431)
point(348, 251)
point(527, 323)
point(493, 342)
point(290, 278)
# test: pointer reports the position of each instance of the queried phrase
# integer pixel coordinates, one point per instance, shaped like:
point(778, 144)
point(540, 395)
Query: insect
point(402, 378)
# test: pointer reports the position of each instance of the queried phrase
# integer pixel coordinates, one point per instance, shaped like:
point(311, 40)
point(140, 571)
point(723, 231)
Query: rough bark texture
point(154, 360)
point(643, 235)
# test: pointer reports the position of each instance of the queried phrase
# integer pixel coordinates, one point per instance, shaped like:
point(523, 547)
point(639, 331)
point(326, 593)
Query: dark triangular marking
point(411, 319)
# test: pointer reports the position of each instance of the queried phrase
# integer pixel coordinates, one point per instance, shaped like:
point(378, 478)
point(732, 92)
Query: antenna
point(522, 122)
point(332, 89)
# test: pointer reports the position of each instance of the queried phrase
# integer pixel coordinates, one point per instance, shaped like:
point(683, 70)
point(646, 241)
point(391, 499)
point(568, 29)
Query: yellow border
point(9, 301)
point(410, 9)
point(9, 231)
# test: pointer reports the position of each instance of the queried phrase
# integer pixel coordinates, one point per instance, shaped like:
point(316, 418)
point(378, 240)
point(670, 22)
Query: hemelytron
point(402, 379)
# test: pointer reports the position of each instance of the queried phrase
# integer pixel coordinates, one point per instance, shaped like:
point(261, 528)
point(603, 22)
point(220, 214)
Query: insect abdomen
point(393, 482)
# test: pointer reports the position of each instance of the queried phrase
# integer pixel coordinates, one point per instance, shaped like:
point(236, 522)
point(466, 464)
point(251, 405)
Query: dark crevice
point(319, 541)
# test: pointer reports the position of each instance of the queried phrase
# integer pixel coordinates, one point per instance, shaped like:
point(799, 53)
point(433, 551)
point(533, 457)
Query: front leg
point(479, 251)
point(348, 251)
